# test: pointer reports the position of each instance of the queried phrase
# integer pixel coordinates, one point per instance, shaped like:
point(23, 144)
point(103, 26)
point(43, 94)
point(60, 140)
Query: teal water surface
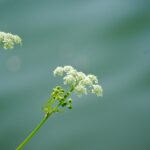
point(108, 38)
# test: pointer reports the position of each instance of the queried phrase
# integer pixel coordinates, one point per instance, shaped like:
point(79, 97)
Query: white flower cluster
point(81, 83)
point(8, 40)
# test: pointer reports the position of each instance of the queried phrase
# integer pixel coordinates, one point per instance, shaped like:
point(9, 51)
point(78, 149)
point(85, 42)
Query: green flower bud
point(69, 106)
point(64, 104)
point(70, 100)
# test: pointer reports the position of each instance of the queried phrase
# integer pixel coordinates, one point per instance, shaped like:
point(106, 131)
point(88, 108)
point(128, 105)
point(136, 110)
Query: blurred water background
point(108, 38)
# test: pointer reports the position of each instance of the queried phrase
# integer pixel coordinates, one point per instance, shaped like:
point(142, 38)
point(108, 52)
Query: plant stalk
point(21, 146)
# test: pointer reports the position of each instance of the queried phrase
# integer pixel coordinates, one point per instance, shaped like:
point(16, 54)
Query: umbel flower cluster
point(8, 40)
point(81, 83)
point(59, 99)
point(77, 82)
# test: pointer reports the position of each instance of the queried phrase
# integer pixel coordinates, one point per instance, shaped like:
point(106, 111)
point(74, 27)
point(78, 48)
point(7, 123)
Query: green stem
point(20, 147)
point(55, 109)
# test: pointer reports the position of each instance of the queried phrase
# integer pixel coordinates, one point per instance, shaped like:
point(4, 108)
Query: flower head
point(78, 81)
point(8, 40)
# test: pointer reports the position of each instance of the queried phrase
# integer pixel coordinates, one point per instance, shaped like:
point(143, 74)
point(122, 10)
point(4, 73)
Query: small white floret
point(97, 89)
point(80, 89)
point(68, 68)
point(69, 79)
point(93, 78)
point(86, 82)
point(58, 71)
point(72, 72)
point(81, 76)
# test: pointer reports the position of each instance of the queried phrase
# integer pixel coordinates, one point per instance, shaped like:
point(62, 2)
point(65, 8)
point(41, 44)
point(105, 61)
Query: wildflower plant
point(60, 97)
point(8, 40)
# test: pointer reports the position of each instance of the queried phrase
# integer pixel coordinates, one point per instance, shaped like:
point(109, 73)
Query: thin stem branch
point(20, 147)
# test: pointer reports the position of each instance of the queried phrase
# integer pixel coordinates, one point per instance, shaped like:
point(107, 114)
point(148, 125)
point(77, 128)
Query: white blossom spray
point(60, 98)
point(8, 40)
